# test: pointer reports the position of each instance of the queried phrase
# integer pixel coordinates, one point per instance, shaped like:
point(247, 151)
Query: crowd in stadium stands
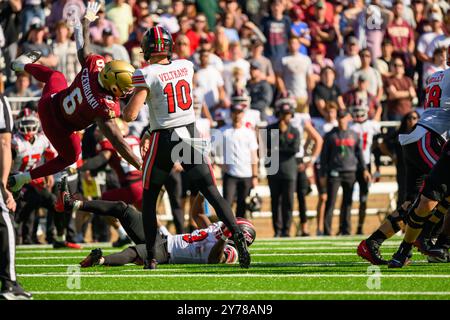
point(304, 67)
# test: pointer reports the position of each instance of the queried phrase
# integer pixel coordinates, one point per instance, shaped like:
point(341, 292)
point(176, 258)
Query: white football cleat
point(18, 64)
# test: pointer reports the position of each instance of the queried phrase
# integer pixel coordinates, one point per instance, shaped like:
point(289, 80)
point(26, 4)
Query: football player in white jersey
point(30, 149)
point(366, 129)
point(421, 148)
point(166, 87)
point(211, 244)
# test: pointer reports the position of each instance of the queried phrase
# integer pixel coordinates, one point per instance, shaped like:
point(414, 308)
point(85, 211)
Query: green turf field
point(310, 268)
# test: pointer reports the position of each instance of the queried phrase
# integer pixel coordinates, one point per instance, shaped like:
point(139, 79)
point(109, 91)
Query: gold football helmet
point(116, 77)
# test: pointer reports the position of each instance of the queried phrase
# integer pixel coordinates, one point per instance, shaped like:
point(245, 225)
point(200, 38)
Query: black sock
point(149, 221)
point(128, 255)
point(105, 208)
point(405, 248)
point(378, 236)
point(221, 206)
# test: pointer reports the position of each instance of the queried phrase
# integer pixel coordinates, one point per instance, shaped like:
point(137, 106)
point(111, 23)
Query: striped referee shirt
point(6, 120)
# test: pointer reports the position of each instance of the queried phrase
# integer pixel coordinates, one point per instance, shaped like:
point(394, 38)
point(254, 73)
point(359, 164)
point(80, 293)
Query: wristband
point(223, 237)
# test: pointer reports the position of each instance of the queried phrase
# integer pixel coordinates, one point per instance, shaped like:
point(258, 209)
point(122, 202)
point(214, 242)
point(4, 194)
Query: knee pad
point(416, 220)
point(394, 222)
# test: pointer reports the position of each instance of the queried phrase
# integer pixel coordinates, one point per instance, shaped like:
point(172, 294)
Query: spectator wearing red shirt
point(402, 35)
point(323, 32)
point(312, 10)
point(186, 29)
point(400, 91)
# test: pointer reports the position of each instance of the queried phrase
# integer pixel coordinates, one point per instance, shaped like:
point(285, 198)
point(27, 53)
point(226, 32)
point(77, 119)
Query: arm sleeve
point(93, 64)
point(140, 79)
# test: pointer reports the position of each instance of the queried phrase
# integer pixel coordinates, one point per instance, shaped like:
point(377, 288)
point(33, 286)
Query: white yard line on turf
point(254, 255)
point(252, 249)
point(304, 293)
point(149, 274)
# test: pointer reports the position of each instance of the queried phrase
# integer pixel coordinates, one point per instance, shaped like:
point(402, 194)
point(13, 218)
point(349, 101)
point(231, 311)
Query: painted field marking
point(395, 293)
point(234, 275)
point(251, 250)
point(305, 254)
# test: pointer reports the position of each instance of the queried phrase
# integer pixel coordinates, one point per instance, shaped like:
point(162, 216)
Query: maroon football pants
point(64, 140)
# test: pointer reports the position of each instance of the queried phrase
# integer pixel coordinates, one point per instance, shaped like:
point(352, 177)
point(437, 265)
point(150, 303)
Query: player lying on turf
point(421, 149)
point(207, 245)
point(93, 97)
point(166, 86)
point(434, 191)
point(130, 179)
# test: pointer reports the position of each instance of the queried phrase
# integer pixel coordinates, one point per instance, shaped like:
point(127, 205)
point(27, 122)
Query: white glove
point(91, 11)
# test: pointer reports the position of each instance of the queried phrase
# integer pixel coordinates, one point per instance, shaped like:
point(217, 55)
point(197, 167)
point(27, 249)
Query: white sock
point(122, 232)
point(61, 238)
point(164, 231)
point(101, 261)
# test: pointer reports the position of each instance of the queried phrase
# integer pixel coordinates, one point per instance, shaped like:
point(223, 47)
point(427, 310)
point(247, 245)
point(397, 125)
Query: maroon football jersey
point(123, 169)
point(85, 100)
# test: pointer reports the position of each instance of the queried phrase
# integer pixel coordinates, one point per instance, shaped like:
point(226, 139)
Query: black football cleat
point(370, 250)
point(241, 246)
point(14, 291)
point(444, 259)
point(425, 247)
point(150, 264)
point(65, 201)
point(92, 259)
point(400, 259)
point(121, 242)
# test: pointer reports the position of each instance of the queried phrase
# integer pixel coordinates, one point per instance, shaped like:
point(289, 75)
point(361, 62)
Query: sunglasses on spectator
point(398, 65)
point(182, 43)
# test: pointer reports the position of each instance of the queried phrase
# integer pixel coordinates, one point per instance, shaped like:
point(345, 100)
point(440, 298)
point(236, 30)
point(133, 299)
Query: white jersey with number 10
point(170, 99)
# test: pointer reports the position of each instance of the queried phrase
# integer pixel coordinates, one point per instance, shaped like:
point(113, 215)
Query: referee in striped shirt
point(11, 290)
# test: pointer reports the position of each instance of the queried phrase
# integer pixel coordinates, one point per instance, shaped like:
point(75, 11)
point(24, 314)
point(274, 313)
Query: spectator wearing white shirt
point(232, 66)
point(347, 64)
point(442, 40)
point(120, 13)
point(117, 51)
point(295, 75)
point(375, 83)
point(66, 51)
point(239, 146)
point(211, 81)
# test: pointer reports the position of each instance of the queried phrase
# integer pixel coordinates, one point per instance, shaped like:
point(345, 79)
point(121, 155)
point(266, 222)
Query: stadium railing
point(380, 188)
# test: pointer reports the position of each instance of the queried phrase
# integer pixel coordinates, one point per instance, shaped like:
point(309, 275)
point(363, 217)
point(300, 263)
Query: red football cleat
point(369, 250)
point(66, 244)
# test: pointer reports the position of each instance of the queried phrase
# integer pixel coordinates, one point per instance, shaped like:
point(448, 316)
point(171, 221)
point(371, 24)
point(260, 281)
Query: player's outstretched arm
point(216, 254)
point(112, 132)
point(82, 33)
point(131, 111)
